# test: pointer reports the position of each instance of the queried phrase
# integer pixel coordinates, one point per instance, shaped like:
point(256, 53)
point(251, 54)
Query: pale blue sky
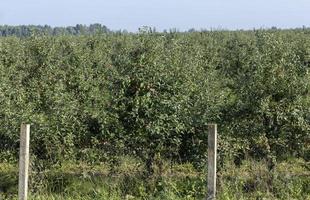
point(162, 14)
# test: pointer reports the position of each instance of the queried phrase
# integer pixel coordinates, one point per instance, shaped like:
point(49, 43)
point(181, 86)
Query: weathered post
point(212, 153)
point(23, 161)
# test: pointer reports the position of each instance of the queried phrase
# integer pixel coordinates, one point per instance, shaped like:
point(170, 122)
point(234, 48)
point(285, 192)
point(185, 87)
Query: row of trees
point(80, 29)
point(151, 95)
point(29, 30)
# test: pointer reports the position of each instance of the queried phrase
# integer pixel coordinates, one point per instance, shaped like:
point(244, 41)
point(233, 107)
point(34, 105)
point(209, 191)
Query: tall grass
point(79, 181)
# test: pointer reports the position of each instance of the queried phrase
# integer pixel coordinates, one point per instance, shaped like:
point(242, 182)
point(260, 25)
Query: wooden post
point(212, 153)
point(23, 161)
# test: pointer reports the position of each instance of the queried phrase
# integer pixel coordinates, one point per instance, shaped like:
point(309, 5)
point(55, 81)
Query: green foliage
point(150, 95)
point(269, 83)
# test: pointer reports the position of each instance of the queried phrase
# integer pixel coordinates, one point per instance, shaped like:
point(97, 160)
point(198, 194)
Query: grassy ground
point(252, 180)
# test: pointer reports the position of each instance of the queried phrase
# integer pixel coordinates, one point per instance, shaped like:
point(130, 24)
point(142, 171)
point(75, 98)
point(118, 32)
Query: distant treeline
point(28, 30)
point(97, 28)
